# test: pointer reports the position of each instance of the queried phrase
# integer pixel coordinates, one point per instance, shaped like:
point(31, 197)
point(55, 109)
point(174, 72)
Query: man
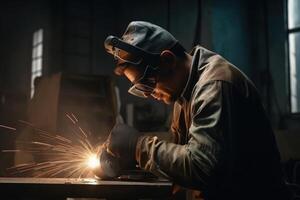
point(224, 142)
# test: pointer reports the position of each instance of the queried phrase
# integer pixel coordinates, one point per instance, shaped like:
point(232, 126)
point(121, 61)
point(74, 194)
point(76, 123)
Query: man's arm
point(193, 164)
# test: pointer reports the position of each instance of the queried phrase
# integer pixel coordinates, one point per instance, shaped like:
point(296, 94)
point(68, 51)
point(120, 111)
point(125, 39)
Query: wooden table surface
point(49, 188)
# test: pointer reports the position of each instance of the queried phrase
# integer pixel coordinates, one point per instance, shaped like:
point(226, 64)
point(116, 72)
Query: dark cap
point(143, 39)
point(148, 37)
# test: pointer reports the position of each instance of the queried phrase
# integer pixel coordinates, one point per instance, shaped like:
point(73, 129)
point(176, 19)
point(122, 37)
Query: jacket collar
point(193, 76)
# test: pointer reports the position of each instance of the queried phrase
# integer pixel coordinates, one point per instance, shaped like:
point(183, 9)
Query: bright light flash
point(93, 161)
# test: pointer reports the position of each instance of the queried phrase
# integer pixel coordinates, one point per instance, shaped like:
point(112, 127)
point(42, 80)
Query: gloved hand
point(109, 165)
point(118, 152)
point(121, 143)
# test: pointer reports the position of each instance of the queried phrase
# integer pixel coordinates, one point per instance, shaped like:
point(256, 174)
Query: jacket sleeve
point(191, 165)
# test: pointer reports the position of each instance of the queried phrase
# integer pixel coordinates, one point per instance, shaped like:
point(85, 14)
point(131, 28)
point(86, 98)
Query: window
point(293, 31)
point(37, 57)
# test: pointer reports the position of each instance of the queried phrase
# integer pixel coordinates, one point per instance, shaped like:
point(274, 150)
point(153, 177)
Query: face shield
point(143, 60)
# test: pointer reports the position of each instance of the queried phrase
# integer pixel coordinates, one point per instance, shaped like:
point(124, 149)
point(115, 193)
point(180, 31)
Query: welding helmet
point(145, 41)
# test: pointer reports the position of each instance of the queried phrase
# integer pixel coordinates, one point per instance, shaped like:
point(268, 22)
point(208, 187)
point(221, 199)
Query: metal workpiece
point(49, 188)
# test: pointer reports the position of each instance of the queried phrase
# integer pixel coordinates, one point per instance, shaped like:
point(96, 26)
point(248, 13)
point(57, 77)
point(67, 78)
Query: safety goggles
point(145, 86)
point(140, 58)
point(116, 46)
point(135, 61)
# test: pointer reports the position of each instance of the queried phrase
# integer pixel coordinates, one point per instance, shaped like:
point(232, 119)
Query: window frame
point(289, 31)
point(36, 57)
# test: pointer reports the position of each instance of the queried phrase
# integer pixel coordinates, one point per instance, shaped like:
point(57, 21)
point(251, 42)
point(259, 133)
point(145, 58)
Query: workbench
point(61, 188)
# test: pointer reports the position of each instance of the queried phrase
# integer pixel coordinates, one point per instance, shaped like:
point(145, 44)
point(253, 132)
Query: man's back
point(249, 162)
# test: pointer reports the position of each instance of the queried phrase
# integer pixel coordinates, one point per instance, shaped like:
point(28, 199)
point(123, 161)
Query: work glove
point(109, 165)
point(121, 143)
point(118, 152)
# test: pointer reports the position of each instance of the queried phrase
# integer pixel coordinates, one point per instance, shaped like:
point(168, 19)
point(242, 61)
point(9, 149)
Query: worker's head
point(152, 59)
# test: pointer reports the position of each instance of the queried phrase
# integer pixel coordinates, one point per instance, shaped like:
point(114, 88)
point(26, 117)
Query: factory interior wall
point(250, 34)
point(18, 20)
point(239, 34)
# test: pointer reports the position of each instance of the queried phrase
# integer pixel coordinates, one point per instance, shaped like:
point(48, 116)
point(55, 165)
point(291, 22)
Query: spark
point(57, 155)
point(72, 120)
point(74, 117)
point(93, 161)
point(7, 127)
